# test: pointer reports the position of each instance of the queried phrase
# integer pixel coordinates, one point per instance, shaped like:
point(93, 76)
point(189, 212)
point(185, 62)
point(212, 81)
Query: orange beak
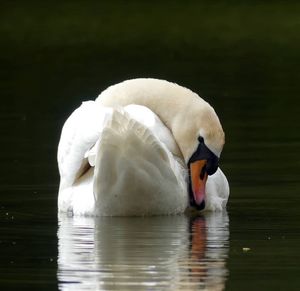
point(198, 180)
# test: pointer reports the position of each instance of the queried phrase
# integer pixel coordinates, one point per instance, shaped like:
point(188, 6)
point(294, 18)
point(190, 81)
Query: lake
point(241, 57)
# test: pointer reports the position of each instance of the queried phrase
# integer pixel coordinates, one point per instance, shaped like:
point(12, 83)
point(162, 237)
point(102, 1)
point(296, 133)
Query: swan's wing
point(150, 120)
point(133, 168)
point(127, 155)
point(79, 134)
point(145, 117)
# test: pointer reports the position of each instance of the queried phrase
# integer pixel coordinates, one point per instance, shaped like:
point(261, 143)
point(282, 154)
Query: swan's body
point(120, 159)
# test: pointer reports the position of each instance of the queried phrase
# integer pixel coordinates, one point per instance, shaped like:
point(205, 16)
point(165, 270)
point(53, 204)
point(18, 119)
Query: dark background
point(241, 56)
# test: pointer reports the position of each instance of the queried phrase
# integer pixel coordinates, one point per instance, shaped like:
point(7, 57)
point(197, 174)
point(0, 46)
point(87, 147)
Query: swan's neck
point(176, 106)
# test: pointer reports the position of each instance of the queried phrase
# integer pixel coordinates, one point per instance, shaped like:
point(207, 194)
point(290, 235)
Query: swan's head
point(201, 139)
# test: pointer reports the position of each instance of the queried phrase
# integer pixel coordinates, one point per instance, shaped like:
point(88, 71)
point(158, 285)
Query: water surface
point(169, 253)
point(241, 57)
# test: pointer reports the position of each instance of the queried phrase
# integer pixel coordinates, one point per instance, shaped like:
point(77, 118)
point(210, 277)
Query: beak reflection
point(198, 175)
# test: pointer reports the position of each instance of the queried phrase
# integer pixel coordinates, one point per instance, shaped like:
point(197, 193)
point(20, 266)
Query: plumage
point(123, 154)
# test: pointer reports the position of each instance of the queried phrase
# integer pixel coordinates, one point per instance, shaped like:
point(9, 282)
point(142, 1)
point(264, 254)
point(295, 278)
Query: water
point(243, 58)
point(170, 253)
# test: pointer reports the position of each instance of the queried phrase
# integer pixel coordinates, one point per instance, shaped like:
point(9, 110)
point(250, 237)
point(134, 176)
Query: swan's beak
point(198, 181)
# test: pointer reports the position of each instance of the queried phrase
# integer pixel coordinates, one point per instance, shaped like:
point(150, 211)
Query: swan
point(143, 147)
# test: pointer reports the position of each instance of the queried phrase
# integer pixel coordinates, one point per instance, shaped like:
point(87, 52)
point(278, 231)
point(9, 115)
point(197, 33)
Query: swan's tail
point(135, 174)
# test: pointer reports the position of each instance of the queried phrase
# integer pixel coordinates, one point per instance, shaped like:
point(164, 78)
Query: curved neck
point(178, 108)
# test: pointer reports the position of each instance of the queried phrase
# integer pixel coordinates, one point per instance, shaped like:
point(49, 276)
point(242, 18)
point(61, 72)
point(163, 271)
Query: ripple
point(160, 253)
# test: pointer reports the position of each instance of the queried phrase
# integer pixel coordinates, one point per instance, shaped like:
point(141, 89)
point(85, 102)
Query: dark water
point(243, 58)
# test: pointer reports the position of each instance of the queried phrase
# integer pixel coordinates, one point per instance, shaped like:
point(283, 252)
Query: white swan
point(144, 147)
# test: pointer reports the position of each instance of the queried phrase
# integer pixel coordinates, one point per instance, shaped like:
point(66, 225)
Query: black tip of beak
point(198, 207)
point(201, 206)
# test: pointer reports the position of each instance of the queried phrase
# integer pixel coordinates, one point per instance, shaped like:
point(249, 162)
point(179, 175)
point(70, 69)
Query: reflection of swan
point(153, 158)
point(209, 249)
point(169, 253)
